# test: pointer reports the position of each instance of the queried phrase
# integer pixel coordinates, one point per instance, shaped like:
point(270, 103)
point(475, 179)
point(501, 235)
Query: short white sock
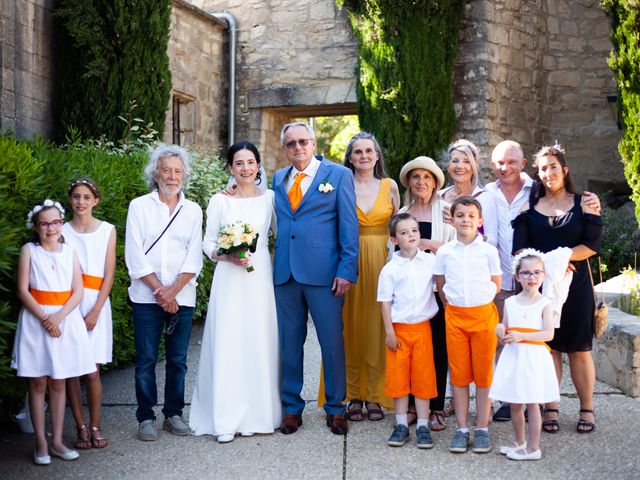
point(423, 422)
point(401, 419)
point(463, 430)
point(484, 429)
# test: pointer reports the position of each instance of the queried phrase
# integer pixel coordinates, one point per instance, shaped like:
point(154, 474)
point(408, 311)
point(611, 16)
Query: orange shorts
point(471, 343)
point(410, 368)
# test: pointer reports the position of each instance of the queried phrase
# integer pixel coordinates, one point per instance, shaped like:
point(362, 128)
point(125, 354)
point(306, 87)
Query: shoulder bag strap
point(163, 231)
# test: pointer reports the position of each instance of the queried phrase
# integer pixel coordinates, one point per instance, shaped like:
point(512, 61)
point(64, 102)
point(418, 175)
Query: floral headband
point(37, 208)
point(527, 252)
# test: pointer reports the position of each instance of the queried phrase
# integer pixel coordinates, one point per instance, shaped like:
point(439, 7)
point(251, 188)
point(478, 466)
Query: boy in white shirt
point(468, 276)
point(405, 290)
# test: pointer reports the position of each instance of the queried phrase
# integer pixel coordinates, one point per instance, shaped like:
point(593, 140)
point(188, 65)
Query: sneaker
point(460, 442)
point(423, 437)
point(503, 414)
point(147, 431)
point(505, 449)
point(525, 455)
point(226, 438)
point(399, 436)
point(481, 442)
point(176, 426)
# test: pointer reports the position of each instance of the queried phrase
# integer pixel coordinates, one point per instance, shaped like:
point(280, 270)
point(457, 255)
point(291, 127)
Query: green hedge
point(34, 170)
point(406, 51)
point(625, 62)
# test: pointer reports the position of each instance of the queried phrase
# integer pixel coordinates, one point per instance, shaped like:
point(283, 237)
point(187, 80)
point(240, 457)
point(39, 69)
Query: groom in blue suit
point(316, 261)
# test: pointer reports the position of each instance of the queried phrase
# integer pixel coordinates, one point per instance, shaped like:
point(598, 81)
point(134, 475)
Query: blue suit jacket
point(320, 240)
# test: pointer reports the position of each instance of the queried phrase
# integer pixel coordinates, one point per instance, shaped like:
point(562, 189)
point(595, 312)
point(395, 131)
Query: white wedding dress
point(237, 381)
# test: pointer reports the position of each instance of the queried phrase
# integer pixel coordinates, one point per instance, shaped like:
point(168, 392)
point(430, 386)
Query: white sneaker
point(524, 455)
point(505, 449)
point(226, 438)
point(247, 434)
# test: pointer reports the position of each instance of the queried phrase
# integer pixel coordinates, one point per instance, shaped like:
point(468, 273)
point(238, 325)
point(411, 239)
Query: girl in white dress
point(51, 341)
point(237, 382)
point(525, 374)
point(95, 245)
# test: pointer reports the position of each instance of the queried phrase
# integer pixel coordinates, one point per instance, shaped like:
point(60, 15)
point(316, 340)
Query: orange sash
point(89, 281)
point(50, 298)
point(528, 330)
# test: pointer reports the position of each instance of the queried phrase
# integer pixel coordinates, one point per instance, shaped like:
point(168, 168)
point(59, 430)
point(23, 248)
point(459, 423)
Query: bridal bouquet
point(237, 237)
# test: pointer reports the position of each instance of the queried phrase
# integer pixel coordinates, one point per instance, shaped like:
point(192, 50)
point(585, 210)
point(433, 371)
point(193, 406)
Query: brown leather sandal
point(354, 411)
point(83, 442)
point(97, 440)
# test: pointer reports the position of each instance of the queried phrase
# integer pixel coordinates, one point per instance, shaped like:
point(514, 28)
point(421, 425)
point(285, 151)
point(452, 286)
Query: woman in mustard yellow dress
point(377, 199)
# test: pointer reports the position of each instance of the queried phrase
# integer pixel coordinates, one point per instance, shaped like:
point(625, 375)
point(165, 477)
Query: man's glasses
point(303, 142)
point(527, 274)
point(54, 224)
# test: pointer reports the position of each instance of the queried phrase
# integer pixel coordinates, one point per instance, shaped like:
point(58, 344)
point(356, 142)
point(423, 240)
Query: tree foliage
point(625, 62)
point(406, 53)
point(112, 53)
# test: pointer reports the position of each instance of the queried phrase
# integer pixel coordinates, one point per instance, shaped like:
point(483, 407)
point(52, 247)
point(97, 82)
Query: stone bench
point(617, 352)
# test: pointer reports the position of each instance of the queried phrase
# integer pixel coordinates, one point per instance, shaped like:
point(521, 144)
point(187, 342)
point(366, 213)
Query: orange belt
point(528, 330)
point(89, 281)
point(50, 298)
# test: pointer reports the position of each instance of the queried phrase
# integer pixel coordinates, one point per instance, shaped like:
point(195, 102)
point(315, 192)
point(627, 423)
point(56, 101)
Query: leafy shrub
point(625, 62)
point(406, 51)
point(112, 53)
point(620, 242)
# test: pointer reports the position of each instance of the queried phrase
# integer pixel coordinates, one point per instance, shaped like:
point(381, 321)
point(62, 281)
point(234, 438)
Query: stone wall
point(26, 60)
point(535, 71)
point(198, 77)
point(296, 58)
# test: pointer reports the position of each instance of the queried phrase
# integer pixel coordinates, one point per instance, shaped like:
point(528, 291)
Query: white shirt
point(506, 213)
point(408, 285)
point(178, 251)
point(468, 270)
point(310, 172)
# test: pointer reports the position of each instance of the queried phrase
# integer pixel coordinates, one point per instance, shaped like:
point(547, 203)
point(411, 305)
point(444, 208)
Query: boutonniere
point(325, 186)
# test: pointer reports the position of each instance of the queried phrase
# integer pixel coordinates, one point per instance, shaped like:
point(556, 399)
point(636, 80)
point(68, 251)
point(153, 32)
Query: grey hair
point(163, 151)
point(296, 124)
point(472, 153)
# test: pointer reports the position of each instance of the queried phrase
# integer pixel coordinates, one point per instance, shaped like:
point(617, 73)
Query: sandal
point(436, 420)
point(449, 408)
point(551, 426)
point(97, 440)
point(585, 426)
point(374, 413)
point(83, 442)
point(354, 411)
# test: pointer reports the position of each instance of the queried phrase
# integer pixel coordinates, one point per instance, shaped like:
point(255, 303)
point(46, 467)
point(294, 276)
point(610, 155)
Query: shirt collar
point(400, 260)
point(478, 239)
point(156, 197)
point(311, 169)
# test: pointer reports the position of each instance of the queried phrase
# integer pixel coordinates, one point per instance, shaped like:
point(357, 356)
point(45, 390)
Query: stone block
point(564, 78)
point(602, 45)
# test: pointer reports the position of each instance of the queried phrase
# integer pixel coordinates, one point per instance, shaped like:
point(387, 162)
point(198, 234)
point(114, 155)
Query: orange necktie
point(295, 192)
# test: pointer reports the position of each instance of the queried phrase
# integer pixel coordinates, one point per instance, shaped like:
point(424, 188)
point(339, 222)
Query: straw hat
point(425, 163)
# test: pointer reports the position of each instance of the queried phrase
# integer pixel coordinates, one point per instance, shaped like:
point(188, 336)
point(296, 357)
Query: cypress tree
point(625, 62)
point(113, 55)
point(405, 70)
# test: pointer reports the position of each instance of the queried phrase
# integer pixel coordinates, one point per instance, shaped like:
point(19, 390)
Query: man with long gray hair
point(163, 252)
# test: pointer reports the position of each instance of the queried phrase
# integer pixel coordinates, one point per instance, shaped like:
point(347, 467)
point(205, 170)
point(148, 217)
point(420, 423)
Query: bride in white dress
point(237, 384)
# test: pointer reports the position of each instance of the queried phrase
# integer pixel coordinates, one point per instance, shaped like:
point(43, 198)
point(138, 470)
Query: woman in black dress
point(558, 217)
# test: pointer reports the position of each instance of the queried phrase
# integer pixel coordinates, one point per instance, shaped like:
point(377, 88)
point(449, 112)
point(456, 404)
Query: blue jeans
point(149, 321)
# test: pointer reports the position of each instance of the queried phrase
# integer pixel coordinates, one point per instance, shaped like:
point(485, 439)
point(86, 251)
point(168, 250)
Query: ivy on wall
point(406, 52)
point(625, 62)
point(113, 53)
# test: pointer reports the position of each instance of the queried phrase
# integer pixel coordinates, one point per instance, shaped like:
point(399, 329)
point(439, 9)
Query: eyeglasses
point(293, 143)
point(527, 274)
point(54, 224)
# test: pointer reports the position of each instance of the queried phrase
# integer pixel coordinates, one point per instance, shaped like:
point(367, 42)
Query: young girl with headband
point(51, 342)
point(525, 375)
point(95, 243)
